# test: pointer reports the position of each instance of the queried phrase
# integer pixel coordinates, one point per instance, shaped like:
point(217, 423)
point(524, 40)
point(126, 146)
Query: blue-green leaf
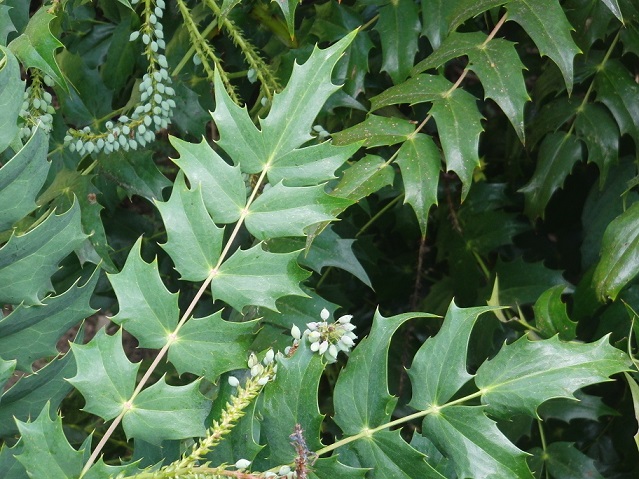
point(11, 95)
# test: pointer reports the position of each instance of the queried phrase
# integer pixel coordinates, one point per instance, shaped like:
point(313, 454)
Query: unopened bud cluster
point(327, 339)
point(261, 372)
point(157, 104)
point(36, 107)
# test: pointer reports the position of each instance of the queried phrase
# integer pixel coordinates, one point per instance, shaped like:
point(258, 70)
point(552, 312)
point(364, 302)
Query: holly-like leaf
point(11, 94)
point(557, 155)
point(135, 172)
point(363, 178)
point(475, 445)
point(435, 382)
point(586, 407)
point(289, 122)
point(563, 460)
point(6, 25)
point(547, 25)
point(613, 6)
point(619, 262)
point(288, 9)
point(28, 261)
point(10, 467)
point(435, 14)
point(222, 186)
point(36, 47)
point(41, 326)
point(462, 10)
point(419, 161)
point(257, 278)
point(420, 89)
point(287, 211)
point(526, 373)
point(6, 371)
point(147, 309)
point(599, 132)
point(517, 288)
point(496, 63)
point(194, 242)
point(46, 451)
point(361, 397)
point(634, 391)
point(331, 468)
point(391, 457)
point(162, 412)
point(287, 404)
point(21, 178)
point(26, 398)
point(617, 90)
point(376, 131)
point(211, 346)
point(551, 317)
point(399, 29)
point(105, 376)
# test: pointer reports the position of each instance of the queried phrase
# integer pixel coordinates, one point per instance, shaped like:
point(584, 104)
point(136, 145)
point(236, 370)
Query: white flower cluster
point(327, 339)
point(157, 103)
point(284, 472)
point(259, 370)
point(36, 107)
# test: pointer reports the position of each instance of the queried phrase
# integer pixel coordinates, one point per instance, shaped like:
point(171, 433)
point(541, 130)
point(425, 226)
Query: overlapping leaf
point(194, 242)
point(376, 131)
point(11, 93)
point(147, 309)
point(599, 132)
point(364, 178)
point(563, 459)
point(526, 373)
point(551, 317)
point(435, 15)
point(37, 253)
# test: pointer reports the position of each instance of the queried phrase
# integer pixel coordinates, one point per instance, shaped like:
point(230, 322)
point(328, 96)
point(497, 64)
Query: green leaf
point(27, 397)
point(563, 460)
point(634, 390)
point(162, 412)
point(11, 94)
point(6, 25)
point(288, 9)
point(522, 283)
point(189, 117)
point(599, 132)
point(420, 89)
point(41, 326)
point(376, 131)
point(420, 163)
point(211, 346)
point(435, 14)
point(496, 63)
point(121, 57)
point(10, 467)
point(550, 117)
point(557, 155)
point(147, 309)
point(435, 382)
point(586, 407)
point(361, 398)
point(331, 468)
point(105, 376)
point(391, 457)
point(289, 122)
point(311, 165)
point(21, 179)
point(46, 451)
point(462, 10)
point(475, 445)
point(194, 242)
point(526, 373)
point(287, 404)
point(546, 23)
point(135, 172)
point(287, 211)
point(619, 262)
point(6, 370)
point(399, 29)
point(613, 6)
point(551, 317)
point(363, 178)
point(617, 90)
point(222, 186)
point(36, 47)
point(257, 278)
point(38, 253)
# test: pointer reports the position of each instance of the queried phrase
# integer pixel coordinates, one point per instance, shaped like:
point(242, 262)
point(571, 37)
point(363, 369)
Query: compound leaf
point(462, 10)
point(162, 412)
point(105, 376)
point(547, 25)
point(46, 451)
point(557, 155)
point(376, 131)
point(287, 211)
point(194, 242)
point(435, 382)
point(257, 278)
point(211, 346)
point(526, 373)
point(28, 261)
point(222, 185)
point(363, 178)
point(419, 161)
point(147, 309)
point(435, 14)
point(11, 94)
point(475, 445)
point(619, 262)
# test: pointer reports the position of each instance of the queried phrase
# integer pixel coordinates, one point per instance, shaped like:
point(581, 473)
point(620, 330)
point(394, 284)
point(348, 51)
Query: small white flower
point(347, 341)
point(263, 381)
point(312, 326)
point(345, 319)
point(314, 336)
point(296, 333)
point(252, 360)
point(323, 347)
point(257, 370)
point(233, 381)
point(284, 470)
point(325, 314)
point(315, 346)
point(242, 464)
point(268, 359)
